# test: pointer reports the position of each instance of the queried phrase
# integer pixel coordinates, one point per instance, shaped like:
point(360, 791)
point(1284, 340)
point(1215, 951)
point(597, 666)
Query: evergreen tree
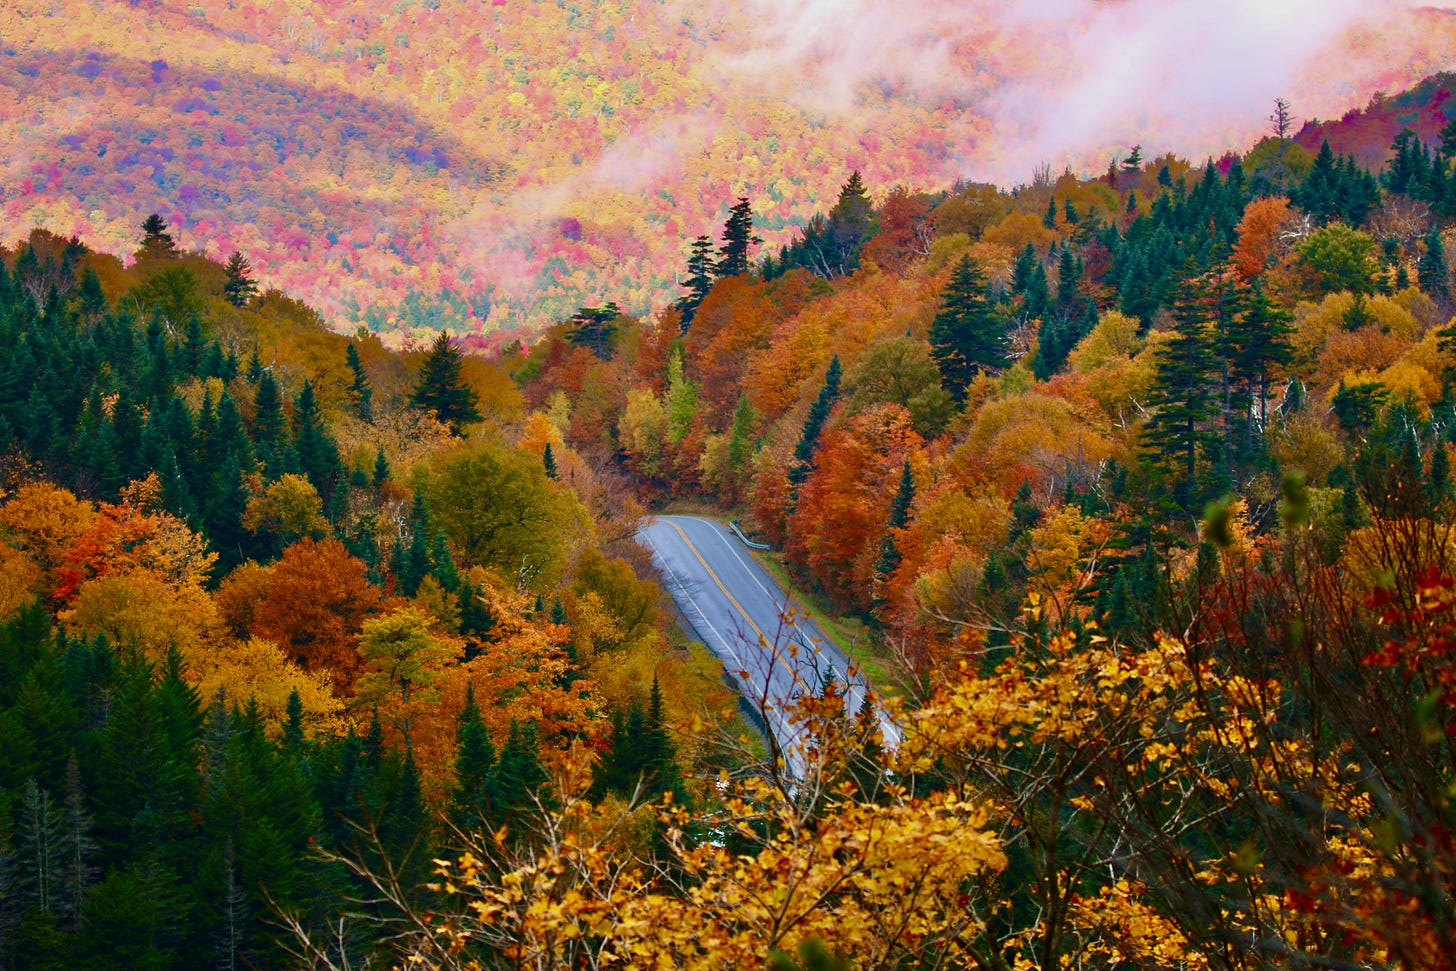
point(594, 328)
point(474, 763)
point(699, 281)
point(737, 238)
point(889, 558)
point(240, 286)
point(519, 782)
point(363, 395)
point(548, 459)
point(1182, 396)
point(157, 243)
point(1432, 272)
point(965, 336)
point(440, 389)
point(316, 453)
point(268, 413)
point(814, 423)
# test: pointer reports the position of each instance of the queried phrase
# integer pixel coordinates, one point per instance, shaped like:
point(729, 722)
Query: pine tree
point(814, 424)
point(359, 388)
point(1432, 273)
point(381, 468)
point(474, 763)
point(737, 238)
point(594, 328)
point(699, 281)
point(965, 336)
point(157, 243)
point(548, 459)
point(440, 389)
point(1182, 396)
point(240, 286)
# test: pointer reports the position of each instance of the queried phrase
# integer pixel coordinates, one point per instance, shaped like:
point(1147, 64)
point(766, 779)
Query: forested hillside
point(1136, 486)
point(418, 166)
point(262, 596)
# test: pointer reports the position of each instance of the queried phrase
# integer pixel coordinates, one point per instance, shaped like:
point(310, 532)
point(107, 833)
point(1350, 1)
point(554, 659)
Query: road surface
point(774, 653)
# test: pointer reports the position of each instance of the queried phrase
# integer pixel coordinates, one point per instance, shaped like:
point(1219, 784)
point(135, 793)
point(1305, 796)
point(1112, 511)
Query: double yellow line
point(762, 639)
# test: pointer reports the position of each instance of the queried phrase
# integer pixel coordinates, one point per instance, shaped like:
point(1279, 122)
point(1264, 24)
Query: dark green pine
point(1182, 396)
point(814, 423)
point(359, 389)
point(469, 805)
point(441, 391)
point(966, 337)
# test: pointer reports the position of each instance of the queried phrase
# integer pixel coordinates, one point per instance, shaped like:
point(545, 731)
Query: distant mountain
point(491, 166)
point(1368, 132)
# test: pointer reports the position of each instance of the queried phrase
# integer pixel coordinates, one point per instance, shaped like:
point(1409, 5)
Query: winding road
point(774, 652)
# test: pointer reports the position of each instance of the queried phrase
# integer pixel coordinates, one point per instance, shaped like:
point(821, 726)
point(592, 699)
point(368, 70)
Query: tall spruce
point(1182, 397)
point(966, 336)
point(737, 239)
point(699, 281)
point(814, 424)
point(440, 389)
point(239, 287)
point(359, 389)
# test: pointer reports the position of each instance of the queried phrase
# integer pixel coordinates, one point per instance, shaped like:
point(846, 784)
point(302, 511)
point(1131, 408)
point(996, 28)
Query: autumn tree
point(403, 658)
point(312, 603)
point(440, 390)
point(500, 509)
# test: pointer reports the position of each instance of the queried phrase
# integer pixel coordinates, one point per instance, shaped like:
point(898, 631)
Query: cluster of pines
point(140, 824)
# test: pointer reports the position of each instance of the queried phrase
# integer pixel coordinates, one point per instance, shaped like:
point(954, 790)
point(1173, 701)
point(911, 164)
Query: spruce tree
point(474, 763)
point(966, 336)
point(1432, 273)
point(814, 423)
point(737, 238)
point(699, 281)
point(240, 286)
point(440, 389)
point(889, 558)
point(1182, 396)
point(519, 782)
point(359, 388)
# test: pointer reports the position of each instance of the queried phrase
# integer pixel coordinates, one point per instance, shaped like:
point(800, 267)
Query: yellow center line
point(731, 599)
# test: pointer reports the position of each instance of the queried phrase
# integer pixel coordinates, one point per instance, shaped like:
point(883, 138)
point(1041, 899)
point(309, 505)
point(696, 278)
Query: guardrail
point(733, 525)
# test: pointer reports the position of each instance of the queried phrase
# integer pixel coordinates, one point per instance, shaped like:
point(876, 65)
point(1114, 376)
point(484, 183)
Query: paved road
point(740, 612)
